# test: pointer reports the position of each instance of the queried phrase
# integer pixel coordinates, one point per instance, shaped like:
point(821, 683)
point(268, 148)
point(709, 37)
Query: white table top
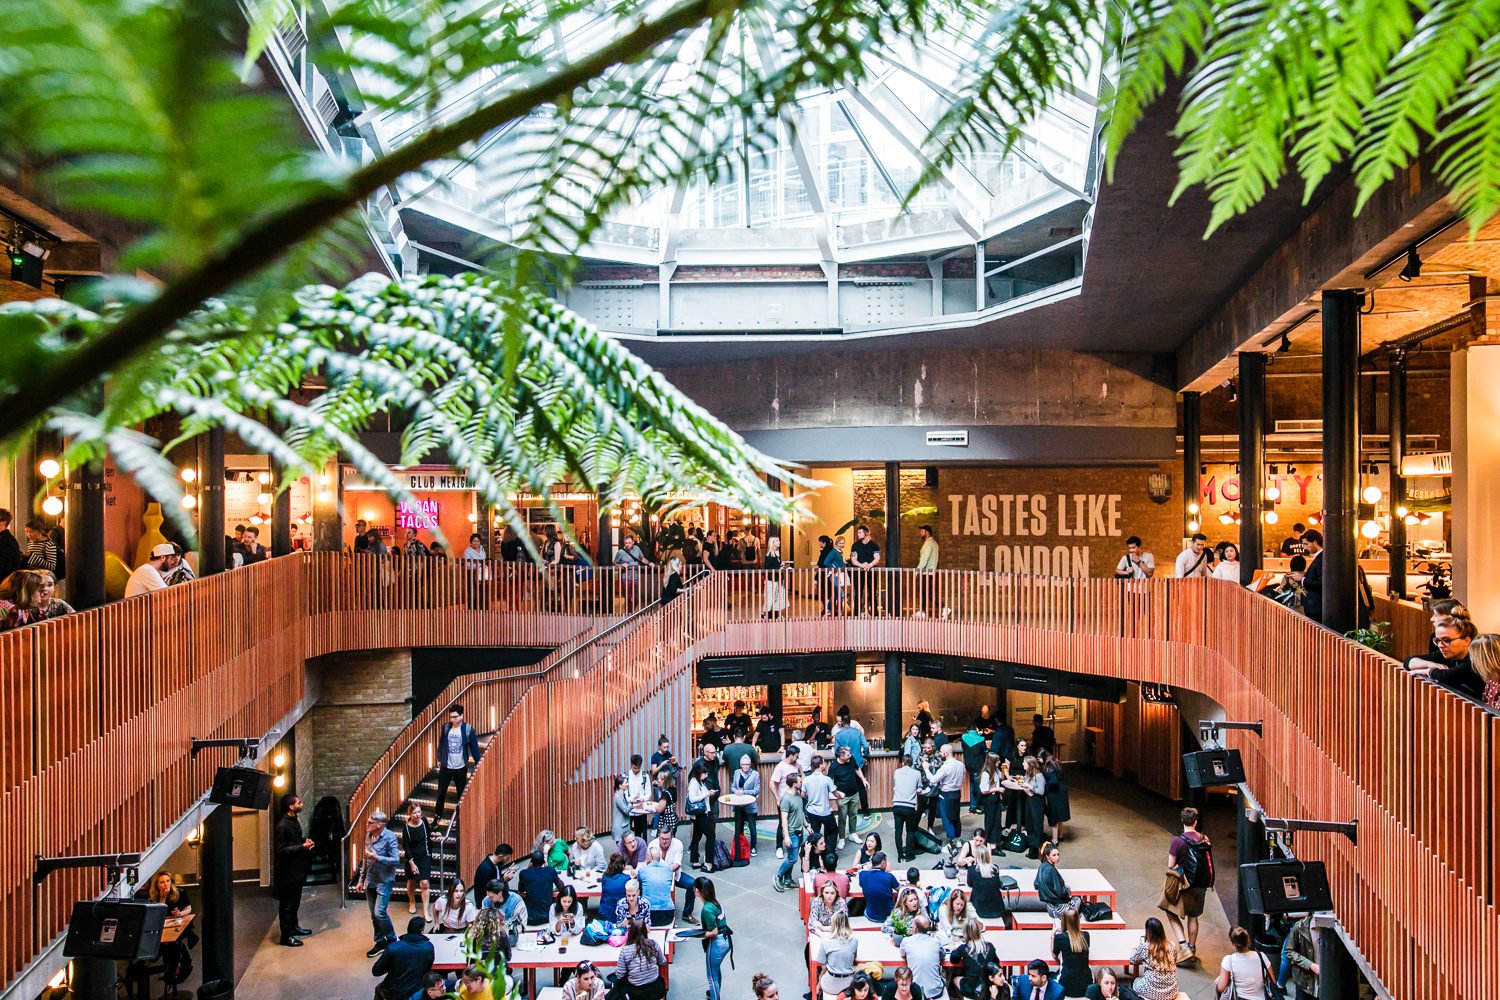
point(736, 800)
point(449, 952)
point(1106, 946)
point(1082, 881)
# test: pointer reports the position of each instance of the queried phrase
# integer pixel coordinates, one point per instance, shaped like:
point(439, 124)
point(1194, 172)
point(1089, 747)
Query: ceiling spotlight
point(324, 496)
point(1413, 268)
point(279, 781)
point(1274, 471)
point(1286, 343)
point(48, 468)
point(1400, 511)
point(1270, 517)
point(1291, 470)
point(473, 518)
point(1372, 494)
point(279, 760)
point(52, 506)
point(189, 475)
point(1370, 529)
point(190, 501)
point(1314, 519)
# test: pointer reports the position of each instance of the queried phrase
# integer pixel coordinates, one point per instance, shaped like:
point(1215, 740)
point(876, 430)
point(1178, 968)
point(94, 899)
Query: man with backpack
point(1192, 854)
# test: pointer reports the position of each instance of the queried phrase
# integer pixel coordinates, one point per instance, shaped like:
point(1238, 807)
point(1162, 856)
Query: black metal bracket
point(1286, 826)
point(114, 863)
point(1208, 729)
point(247, 745)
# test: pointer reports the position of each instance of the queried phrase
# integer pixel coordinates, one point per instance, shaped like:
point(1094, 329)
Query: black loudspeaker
point(1213, 767)
point(1285, 887)
point(932, 477)
point(116, 929)
point(241, 786)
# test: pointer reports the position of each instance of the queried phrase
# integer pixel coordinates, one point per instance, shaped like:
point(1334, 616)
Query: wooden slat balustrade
point(96, 711)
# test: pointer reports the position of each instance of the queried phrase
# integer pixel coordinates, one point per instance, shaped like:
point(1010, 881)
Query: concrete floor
point(1118, 828)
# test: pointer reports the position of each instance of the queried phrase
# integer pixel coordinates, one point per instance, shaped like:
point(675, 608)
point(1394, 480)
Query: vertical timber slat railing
point(96, 710)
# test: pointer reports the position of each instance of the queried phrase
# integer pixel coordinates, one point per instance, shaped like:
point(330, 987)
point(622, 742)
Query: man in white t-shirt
point(805, 751)
point(1196, 559)
point(785, 768)
point(150, 575)
point(1136, 563)
point(818, 790)
point(671, 856)
point(638, 791)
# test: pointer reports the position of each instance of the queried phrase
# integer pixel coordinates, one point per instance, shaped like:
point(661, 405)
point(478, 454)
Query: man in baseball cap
point(150, 575)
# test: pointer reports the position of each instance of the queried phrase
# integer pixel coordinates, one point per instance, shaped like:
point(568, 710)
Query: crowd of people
point(1459, 657)
point(28, 579)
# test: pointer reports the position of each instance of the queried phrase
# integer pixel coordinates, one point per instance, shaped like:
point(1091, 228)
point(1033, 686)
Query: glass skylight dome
point(824, 182)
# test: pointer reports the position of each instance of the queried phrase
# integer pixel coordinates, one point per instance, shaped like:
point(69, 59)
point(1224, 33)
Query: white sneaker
point(947, 613)
point(780, 853)
point(841, 843)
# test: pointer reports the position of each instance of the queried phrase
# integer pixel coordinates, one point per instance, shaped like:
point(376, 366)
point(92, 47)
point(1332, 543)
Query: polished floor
point(1117, 828)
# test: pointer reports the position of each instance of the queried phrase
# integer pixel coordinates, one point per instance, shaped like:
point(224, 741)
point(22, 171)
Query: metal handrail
point(653, 606)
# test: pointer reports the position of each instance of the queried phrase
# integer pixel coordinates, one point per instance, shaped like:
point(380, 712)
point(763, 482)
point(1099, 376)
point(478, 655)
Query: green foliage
point(573, 406)
point(1377, 637)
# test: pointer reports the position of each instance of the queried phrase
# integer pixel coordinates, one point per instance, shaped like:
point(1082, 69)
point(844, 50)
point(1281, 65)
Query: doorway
point(1066, 716)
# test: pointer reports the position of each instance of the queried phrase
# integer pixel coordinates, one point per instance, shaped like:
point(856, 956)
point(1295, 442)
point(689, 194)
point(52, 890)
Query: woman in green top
point(715, 933)
point(554, 850)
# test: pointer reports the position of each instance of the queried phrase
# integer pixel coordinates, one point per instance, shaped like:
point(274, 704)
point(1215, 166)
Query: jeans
point(744, 816)
point(848, 814)
point(685, 882)
point(973, 791)
point(951, 825)
point(450, 775)
point(907, 817)
point(379, 898)
point(717, 949)
point(793, 851)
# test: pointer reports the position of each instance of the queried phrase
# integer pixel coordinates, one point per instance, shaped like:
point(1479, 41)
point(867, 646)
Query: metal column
point(893, 711)
point(1192, 455)
point(1252, 460)
point(211, 556)
point(217, 923)
point(980, 298)
point(1340, 458)
point(1250, 845)
point(95, 979)
point(1338, 976)
point(891, 550)
point(84, 541)
point(1397, 412)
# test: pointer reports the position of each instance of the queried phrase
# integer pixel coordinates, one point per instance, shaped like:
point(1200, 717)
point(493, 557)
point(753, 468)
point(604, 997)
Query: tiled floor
point(1117, 828)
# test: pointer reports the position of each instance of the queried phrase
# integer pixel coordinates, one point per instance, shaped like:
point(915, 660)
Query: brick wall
point(1114, 501)
point(362, 709)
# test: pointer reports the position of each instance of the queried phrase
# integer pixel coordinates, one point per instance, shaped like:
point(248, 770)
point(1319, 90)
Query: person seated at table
point(554, 850)
point(454, 910)
point(908, 908)
point(814, 846)
point(634, 849)
point(950, 918)
point(1050, 887)
point(631, 906)
point(536, 885)
point(965, 856)
point(914, 881)
point(1070, 950)
point(612, 885)
point(996, 984)
point(495, 865)
point(1157, 959)
point(671, 856)
point(434, 987)
point(498, 897)
point(640, 963)
point(972, 957)
point(839, 950)
point(1036, 985)
point(487, 941)
point(923, 954)
point(585, 983)
point(861, 987)
point(879, 887)
point(831, 873)
point(472, 985)
point(824, 905)
point(174, 954)
point(656, 879)
point(404, 963)
point(984, 882)
point(1106, 984)
point(587, 854)
point(567, 915)
point(868, 850)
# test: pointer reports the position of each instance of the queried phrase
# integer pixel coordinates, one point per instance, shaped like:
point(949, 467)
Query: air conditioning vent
point(1299, 427)
point(292, 35)
point(947, 439)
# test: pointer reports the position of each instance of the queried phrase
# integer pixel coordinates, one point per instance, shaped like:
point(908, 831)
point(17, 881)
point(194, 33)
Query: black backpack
point(1197, 864)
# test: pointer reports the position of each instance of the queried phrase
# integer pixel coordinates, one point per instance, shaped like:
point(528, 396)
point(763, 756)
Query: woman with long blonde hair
point(1070, 949)
point(1484, 656)
point(839, 949)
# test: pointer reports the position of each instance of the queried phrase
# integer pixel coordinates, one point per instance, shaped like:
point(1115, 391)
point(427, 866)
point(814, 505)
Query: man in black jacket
point(457, 745)
point(1312, 580)
point(10, 549)
point(494, 866)
point(404, 963)
point(1050, 887)
point(293, 854)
